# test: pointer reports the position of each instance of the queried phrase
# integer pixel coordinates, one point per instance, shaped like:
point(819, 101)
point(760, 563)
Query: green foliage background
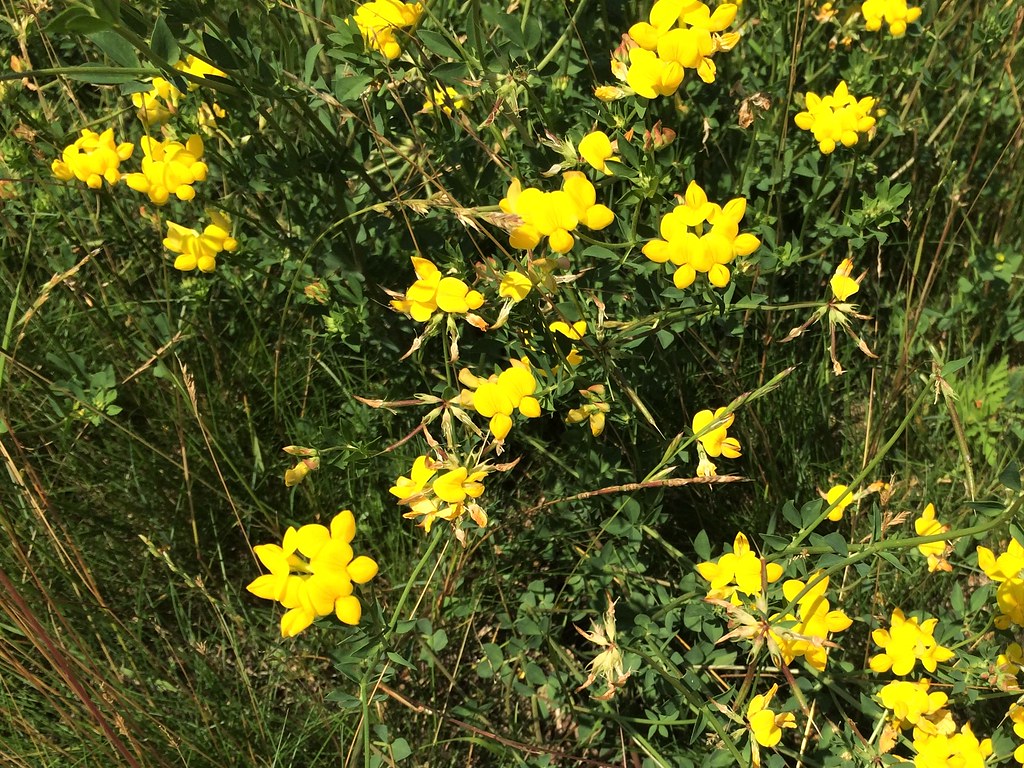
point(143, 411)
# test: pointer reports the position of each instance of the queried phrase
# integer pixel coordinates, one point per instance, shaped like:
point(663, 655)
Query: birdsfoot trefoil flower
point(312, 573)
point(92, 158)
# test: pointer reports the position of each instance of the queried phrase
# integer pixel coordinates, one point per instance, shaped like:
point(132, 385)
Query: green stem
point(570, 28)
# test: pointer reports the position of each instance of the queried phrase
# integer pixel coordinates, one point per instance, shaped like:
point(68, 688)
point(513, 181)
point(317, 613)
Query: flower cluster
point(156, 105)
point(895, 13)
point(554, 215)
point(681, 35)
point(169, 168)
point(960, 749)
point(836, 118)
point(914, 706)
point(199, 251)
point(593, 411)
point(499, 396)
point(92, 158)
point(379, 21)
point(432, 293)
point(714, 441)
point(906, 642)
point(312, 573)
point(739, 571)
point(701, 236)
point(444, 497)
point(1006, 570)
point(807, 632)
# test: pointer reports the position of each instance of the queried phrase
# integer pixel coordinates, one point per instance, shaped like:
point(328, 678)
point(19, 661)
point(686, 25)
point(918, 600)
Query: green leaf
point(437, 43)
point(162, 42)
point(953, 366)
point(310, 63)
point(400, 750)
point(76, 18)
point(1010, 477)
point(349, 89)
point(219, 53)
point(494, 654)
point(792, 516)
point(702, 546)
point(453, 72)
point(344, 700)
point(399, 660)
point(836, 541)
point(438, 641)
point(109, 10)
point(117, 49)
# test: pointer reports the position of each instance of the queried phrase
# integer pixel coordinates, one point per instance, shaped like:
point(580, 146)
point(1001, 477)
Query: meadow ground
point(511, 383)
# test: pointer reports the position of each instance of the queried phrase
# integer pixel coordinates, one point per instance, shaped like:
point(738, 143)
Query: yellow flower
point(807, 632)
point(765, 724)
point(515, 286)
point(198, 68)
point(842, 497)
point(836, 118)
point(169, 168)
point(312, 572)
point(927, 525)
point(158, 104)
point(200, 250)
point(609, 93)
point(446, 98)
point(910, 701)
point(738, 571)
point(499, 396)
point(1007, 667)
point(92, 158)
point(554, 214)
point(432, 293)
point(1016, 715)
point(895, 13)
point(716, 440)
point(955, 750)
point(1006, 571)
point(905, 643)
point(596, 149)
point(664, 15)
point(844, 286)
point(445, 497)
point(650, 76)
point(594, 411)
point(574, 332)
point(378, 22)
point(701, 237)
